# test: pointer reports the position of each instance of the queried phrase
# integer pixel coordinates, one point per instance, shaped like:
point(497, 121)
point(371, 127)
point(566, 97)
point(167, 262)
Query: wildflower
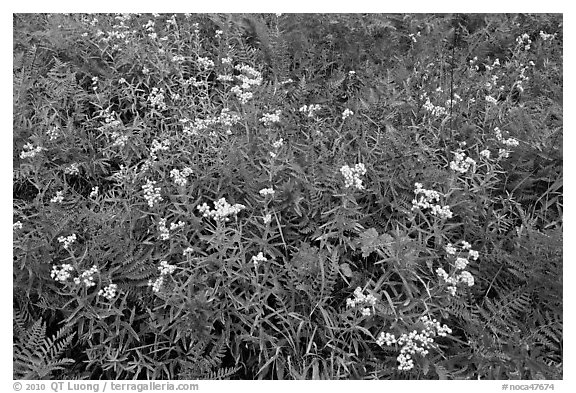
point(187, 251)
point(347, 113)
point(156, 98)
point(270, 118)
point(351, 73)
point(53, 133)
point(267, 218)
point(222, 210)
point(218, 33)
point(67, 240)
point(58, 198)
point(428, 199)
point(352, 175)
point(180, 178)
point(450, 249)
point(30, 151)
point(485, 154)
point(256, 259)
point(491, 100)
point(266, 192)
point(61, 273)
point(466, 278)
point(361, 299)
point(466, 245)
point(151, 193)
point(87, 277)
point(278, 144)
point(310, 110)
point(414, 342)
point(473, 254)
point(226, 60)
point(121, 81)
point(205, 63)
point(109, 292)
point(164, 232)
point(461, 263)
point(94, 192)
point(461, 164)
point(503, 153)
point(17, 225)
point(72, 169)
point(165, 268)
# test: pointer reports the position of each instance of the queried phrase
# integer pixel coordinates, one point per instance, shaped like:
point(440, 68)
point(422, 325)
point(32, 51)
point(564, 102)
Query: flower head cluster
point(459, 275)
point(165, 269)
point(363, 300)
point(524, 41)
point(30, 151)
point(222, 210)
point(267, 218)
point(17, 225)
point(180, 177)
point(428, 200)
point(151, 193)
point(53, 133)
point(61, 273)
point(87, 277)
point(256, 259)
point(58, 198)
point(510, 142)
point(248, 77)
point(352, 175)
point(164, 231)
point(436, 111)
point(485, 154)
point(414, 342)
point(205, 63)
point(225, 119)
point(94, 192)
point(277, 145)
point(461, 164)
point(72, 169)
point(109, 292)
point(310, 110)
point(346, 114)
point(546, 36)
point(267, 191)
point(271, 118)
point(67, 240)
point(156, 99)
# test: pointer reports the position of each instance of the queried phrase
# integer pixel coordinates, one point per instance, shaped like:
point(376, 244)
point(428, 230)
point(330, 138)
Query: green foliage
point(167, 255)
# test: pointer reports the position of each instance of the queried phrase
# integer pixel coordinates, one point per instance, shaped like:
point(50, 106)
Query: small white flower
point(267, 191)
point(485, 153)
point(58, 198)
point(17, 225)
point(258, 258)
point(346, 114)
point(94, 192)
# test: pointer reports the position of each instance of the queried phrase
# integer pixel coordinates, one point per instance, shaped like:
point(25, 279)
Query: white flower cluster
point(256, 259)
point(118, 139)
point(151, 193)
point(491, 100)
point(310, 110)
point(267, 191)
point(271, 118)
point(276, 145)
point(94, 192)
point(414, 342)
point(61, 273)
point(430, 107)
point(187, 251)
point(461, 164)
point(67, 240)
point(180, 178)
point(225, 119)
point(156, 98)
point(53, 133)
point(510, 142)
point(346, 114)
point(109, 292)
point(459, 275)
point(352, 175)
point(428, 200)
point(267, 218)
point(164, 231)
point(178, 59)
point(248, 77)
point(546, 36)
point(485, 154)
point(17, 225)
point(222, 210)
point(72, 169)
point(524, 41)
point(361, 299)
point(87, 277)
point(165, 269)
point(205, 63)
point(30, 151)
point(58, 198)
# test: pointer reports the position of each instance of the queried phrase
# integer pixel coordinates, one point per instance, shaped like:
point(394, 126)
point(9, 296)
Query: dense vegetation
point(337, 196)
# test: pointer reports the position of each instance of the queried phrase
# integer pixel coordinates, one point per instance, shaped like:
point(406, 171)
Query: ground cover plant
point(289, 196)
